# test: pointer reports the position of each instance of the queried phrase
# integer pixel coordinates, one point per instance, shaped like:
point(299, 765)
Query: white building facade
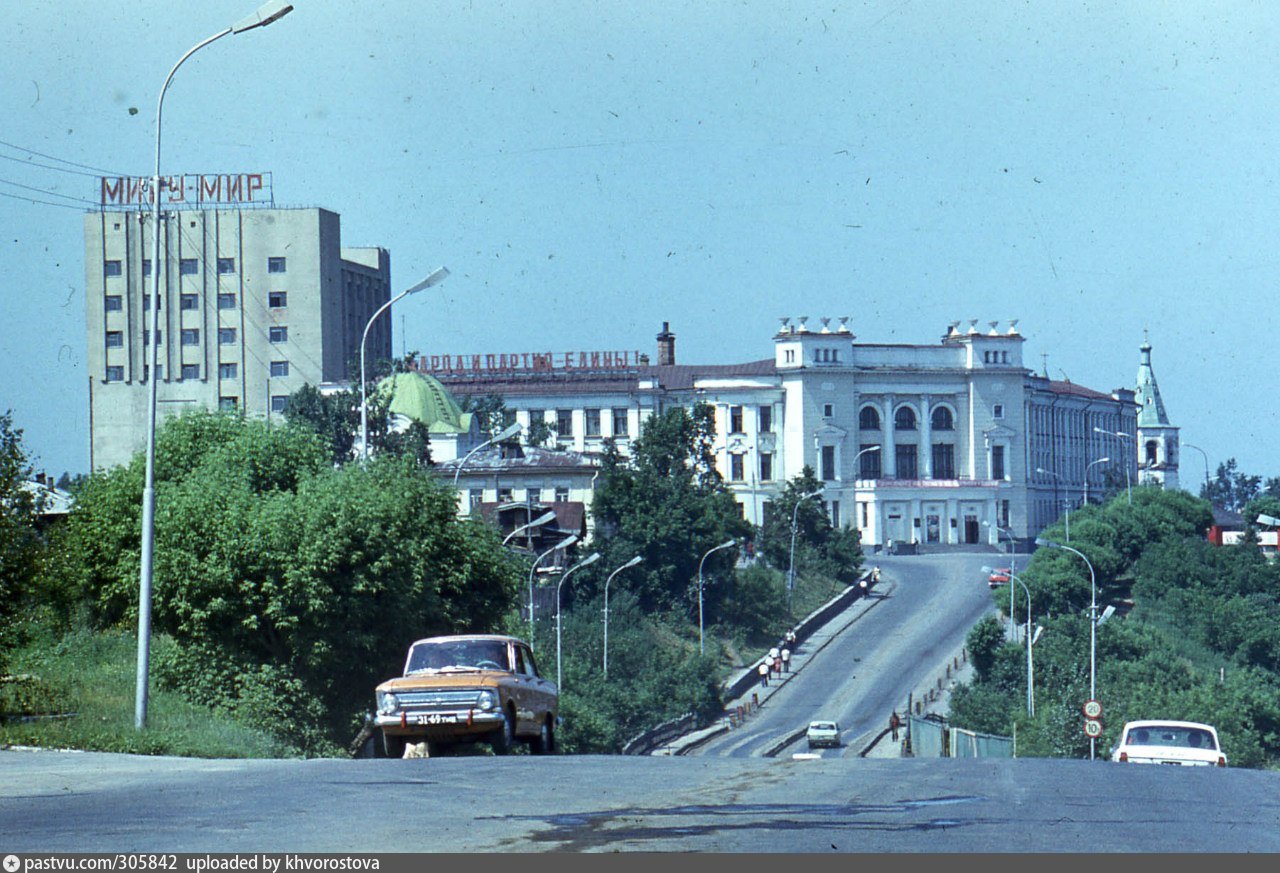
point(951, 443)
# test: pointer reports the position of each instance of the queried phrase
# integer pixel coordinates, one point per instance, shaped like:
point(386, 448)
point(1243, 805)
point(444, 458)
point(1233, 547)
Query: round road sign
point(1092, 728)
point(1092, 709)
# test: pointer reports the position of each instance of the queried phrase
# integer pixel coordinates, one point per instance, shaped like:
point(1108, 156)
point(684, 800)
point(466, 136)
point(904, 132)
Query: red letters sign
point(527, 362)
point(220, 189)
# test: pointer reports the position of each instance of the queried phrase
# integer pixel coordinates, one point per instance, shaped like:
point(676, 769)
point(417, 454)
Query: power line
point(47, 191)
point(26, 163)
point(97, 170)
point(45, 202)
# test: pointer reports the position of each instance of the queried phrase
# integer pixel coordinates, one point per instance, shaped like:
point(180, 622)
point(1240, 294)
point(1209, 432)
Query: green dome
point(422, 398)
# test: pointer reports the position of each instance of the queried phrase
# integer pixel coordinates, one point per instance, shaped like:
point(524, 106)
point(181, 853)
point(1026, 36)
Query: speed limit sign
point(1092, 728)
point(1092, 709)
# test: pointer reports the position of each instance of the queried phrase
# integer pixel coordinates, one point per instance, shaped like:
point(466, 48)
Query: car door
point(542, 693)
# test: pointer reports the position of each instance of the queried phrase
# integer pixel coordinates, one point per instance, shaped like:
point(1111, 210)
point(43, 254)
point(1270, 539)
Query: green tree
point(820, 547)
point(1231, 489)
point(20, 548)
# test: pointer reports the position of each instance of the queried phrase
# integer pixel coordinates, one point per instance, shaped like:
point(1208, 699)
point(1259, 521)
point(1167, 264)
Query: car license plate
point(436, 718)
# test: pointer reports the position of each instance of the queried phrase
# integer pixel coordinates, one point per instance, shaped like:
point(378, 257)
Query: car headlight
point(486, 700)
point(388, 703)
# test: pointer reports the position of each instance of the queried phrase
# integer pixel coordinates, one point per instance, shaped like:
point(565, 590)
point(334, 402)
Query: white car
point(823, 733)
point(1186, 743)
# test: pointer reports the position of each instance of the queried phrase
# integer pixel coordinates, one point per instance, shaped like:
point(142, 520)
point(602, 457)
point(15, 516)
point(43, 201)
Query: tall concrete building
point(254, 303)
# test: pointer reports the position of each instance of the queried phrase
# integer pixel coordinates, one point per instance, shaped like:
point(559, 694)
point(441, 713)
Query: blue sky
point(589, 170)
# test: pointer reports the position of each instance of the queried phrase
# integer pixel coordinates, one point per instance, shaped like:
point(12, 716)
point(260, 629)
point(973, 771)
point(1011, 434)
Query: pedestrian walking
point(894, 723)
point(777, 666)
point(791, 638)
point(875, 575)
point(786, 660)
point(763, 670)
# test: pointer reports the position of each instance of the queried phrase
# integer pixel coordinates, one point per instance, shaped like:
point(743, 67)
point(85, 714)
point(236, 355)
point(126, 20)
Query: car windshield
point(458, 655)
point(1172, 736)
point(822, 726)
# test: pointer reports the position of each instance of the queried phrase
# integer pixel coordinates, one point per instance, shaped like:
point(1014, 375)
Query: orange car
point(463, 689)
point(998, 577)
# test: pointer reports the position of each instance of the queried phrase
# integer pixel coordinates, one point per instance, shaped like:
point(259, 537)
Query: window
point(228, 402)
point(279, 369)
point(828, 463)
point(564, 423)
point(146, 266)
point(189, 302)
point(226, 336)
point(620, 422)
point(835, 513)
point(536, 416)
point(533, 495)
point(146, 302)
point(279, 402)
point(477, 496)
point(115, 374)
point(942, 419)
point(228, 371)
point(113, 303)
point(1004, 513)
point(190, 371)
point(828, 410)
point(190, 336)
point(562, 495)
point(735, 419)
point(944, 461)
point(226, 265)
point(764, 419)
point(904, 419)
point(1152, 448)
point(868, 418)
point(592, 420)
point(226, 301)
point(907, 460)
point(146, 337)
point(278, 334)
point(504, 495)
point(111, 268)
point(188, 266)
point(146, 370)
point(115, 339)
point(766, 467)
point(997, 462)
point(277, 299)
point(869, 462)
point(735, 468)
point(275, 265)
point(997, 411)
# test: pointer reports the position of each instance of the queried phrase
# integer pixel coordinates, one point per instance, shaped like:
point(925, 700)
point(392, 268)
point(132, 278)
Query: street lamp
point(505, 434)
point(1012, 566)
point(636, 560)
point(265, 14)
point(589, 559)
point(1031, 705)
point(546, 517)
point(1031, 665)
point(1128, 485)
point(1093, 622)
point(1086, 476)
point(563, 544)
point(863, 452)
point(726, 545)
point(1067, 504)
point(1206, 466)
point(791, 561)
point(437, 276)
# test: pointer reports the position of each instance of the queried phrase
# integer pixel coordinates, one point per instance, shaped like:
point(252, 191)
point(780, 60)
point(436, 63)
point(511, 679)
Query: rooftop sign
point(194, 190)
point(527, 362)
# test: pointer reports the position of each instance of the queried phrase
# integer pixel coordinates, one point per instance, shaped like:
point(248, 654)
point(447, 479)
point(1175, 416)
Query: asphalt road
point(861, 667)
point(89, 802)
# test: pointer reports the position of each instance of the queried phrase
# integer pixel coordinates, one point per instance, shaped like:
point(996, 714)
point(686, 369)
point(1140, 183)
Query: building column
point(889, 459)
point(926, 438)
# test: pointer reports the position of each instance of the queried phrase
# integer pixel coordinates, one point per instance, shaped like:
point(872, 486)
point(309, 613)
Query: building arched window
point(869, 418)
point(904, 419)
point(942, 419)
point(1153, 452)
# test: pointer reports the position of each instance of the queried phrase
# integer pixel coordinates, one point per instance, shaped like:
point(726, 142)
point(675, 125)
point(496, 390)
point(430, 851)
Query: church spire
point(1151, 413)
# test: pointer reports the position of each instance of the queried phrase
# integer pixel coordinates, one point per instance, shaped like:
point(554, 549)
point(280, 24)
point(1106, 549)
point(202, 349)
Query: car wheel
point(393, 746)
point(505, 738)
point(545, 742)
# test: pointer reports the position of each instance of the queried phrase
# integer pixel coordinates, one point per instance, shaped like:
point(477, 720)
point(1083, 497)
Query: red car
point(998, 577)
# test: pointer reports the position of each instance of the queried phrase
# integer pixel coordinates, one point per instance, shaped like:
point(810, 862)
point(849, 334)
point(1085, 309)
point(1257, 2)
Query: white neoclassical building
point(952, 442)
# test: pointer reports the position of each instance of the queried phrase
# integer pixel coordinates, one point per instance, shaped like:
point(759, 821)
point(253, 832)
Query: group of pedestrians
point(778, 660)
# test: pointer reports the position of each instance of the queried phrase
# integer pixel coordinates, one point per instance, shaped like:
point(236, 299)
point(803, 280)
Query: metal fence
point(934, 738)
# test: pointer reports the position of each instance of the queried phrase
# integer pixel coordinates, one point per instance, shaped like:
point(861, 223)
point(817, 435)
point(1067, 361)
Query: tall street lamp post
point(1093, 623)
point(265, 14)
point(1067, 504)
point(791, 561)
point(701, 650)
point(1086, 476)
point(589, 559)
point(1012, 566)
point(1206, 466)
point(1119, 434)
point(437, 276)
point(636, 560)
point(563, 544)
point(505, 434)
point(1031, 706)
